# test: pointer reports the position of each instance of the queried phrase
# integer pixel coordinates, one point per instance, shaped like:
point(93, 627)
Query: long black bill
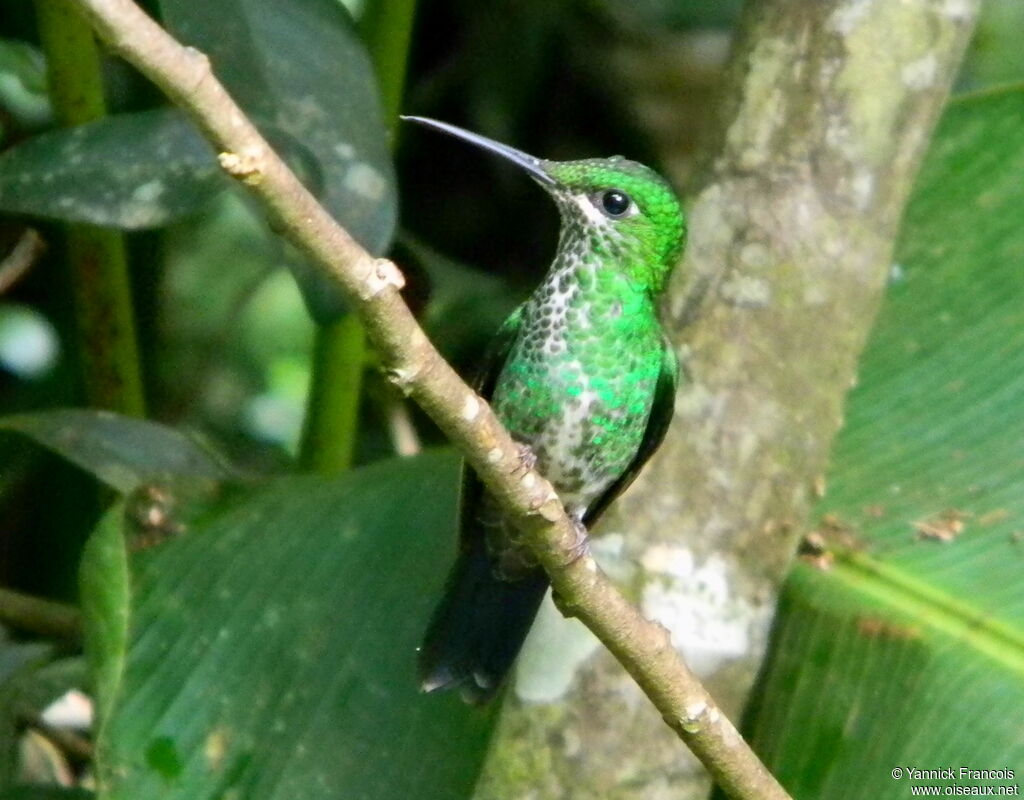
point(532, 165)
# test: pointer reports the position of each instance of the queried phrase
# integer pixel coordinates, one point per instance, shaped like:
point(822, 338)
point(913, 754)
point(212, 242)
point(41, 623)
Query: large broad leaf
point(271, 648)
point(127, 171)
point(259, 641)
point(122, 452)
point(909, 651)
point(300, 70)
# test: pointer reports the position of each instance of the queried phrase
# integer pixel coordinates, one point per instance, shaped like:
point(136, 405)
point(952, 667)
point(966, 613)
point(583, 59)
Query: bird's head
point(613, 210)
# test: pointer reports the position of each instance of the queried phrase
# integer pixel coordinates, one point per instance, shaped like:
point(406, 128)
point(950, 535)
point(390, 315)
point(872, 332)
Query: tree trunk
point(827, 115)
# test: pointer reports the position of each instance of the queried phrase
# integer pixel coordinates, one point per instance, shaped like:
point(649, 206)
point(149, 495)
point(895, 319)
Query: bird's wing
point(496, 355)
point(479, 626)
point(657, 425)
point(484, 382)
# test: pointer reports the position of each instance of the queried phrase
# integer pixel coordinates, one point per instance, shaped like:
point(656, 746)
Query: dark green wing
point(484, 382)
point(657, 425)
point(496, 355)
point(479, 626)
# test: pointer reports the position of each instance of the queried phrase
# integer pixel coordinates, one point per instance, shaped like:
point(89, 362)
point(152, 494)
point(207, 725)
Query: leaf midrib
point(920, 601)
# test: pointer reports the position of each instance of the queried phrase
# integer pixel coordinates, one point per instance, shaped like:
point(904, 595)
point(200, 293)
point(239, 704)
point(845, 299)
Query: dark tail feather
point(479, 626)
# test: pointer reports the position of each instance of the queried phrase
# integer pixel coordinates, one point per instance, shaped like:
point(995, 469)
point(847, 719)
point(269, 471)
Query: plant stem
point(45, 617)
point(331, 428)
point(386, 28)
point(332, 414)
point(97, 256)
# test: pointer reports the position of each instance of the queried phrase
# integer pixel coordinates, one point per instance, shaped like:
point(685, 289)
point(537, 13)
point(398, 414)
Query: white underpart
point(565, 435)
point(568, 436)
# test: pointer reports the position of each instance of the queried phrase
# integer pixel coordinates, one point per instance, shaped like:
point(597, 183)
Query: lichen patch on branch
point(380, 275)
point(246, 166)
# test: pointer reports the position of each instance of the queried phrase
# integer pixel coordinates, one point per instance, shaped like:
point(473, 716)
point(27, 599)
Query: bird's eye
point(615, 202)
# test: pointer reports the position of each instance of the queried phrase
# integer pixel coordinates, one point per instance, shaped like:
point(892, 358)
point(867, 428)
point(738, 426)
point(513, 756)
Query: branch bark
point(415, 367)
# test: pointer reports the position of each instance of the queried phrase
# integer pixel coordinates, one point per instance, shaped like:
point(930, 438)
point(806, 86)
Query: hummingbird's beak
point(532, 165)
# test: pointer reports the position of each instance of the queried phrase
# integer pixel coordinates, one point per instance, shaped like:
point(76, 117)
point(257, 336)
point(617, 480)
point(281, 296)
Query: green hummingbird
point(581, 374)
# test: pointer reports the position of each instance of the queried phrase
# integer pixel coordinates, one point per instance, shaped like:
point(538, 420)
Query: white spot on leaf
point(148, 192)
point(365, 181)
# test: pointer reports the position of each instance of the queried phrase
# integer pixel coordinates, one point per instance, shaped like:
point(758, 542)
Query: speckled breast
point(579, 382)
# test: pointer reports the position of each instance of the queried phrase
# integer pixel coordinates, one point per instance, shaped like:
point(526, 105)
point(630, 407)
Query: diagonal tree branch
point(415, 367)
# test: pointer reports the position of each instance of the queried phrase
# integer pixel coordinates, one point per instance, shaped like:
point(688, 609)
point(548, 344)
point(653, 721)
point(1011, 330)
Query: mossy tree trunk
point(828, 113)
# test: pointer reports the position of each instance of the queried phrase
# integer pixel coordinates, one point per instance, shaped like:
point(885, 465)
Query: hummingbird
point(582, 376)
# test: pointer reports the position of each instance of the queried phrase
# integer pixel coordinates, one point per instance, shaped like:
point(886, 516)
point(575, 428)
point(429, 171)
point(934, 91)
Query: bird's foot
point(577, 550)
point(527, 459)
point(581, 542)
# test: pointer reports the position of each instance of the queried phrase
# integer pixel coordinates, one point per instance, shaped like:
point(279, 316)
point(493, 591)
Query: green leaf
point(19, 662)
point(104, 583)
point(128, 171)
point(994, 55)
point(301, 72)
point(122, 452)
point(23, 83)
point(909, 651)
point(272, 647)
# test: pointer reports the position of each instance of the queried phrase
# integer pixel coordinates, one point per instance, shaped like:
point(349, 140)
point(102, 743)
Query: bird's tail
point(479, 627)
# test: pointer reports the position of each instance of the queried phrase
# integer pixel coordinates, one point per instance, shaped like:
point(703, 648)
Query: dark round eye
point(615, 202)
